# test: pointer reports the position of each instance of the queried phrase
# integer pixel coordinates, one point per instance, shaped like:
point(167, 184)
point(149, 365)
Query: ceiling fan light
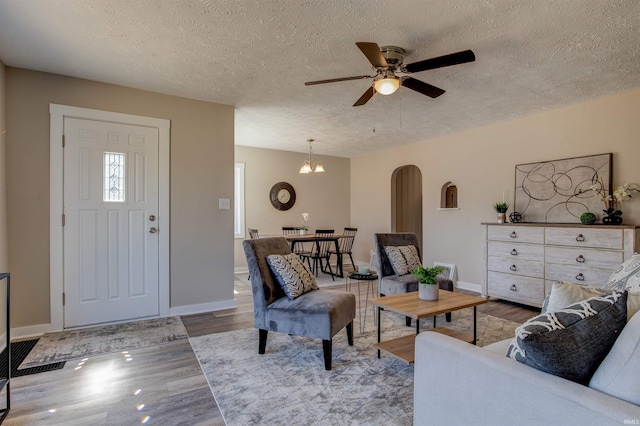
point(386, 86)
point(319, 168)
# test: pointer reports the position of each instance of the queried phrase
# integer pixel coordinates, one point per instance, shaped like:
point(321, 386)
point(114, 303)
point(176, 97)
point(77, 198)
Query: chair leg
point(350, 333)
point(262, 340)
point(352, 264)
point(448, 316)
point(333, 277)
point(326, 348)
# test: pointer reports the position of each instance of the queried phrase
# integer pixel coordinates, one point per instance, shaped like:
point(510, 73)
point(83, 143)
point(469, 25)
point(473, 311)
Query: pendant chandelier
point(310, 166)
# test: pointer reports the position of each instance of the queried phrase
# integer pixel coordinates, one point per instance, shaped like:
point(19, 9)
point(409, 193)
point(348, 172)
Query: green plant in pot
point(428, 284)
point(501, 208)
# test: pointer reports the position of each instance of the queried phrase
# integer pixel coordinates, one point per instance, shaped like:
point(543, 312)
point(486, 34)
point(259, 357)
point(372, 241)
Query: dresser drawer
point(592, 277)
point(588, 258)
point(529, 268)
point(585, 237)
point(516, 250)
point(516, 288)
point(519, 234)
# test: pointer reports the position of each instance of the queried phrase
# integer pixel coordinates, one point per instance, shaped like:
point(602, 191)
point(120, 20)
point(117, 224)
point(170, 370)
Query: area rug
point(289, 385)
point(68, 345)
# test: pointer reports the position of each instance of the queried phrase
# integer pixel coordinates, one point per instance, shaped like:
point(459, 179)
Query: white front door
point(110, 222)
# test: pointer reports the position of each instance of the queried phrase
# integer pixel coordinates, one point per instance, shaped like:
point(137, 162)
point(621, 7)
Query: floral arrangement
point(619, 195)
point(305, 218)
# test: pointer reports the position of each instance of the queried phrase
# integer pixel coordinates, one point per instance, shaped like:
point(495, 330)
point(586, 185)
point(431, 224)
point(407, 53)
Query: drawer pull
point(514, 252)
point(513, 287)
point(580, 277)
point(513, 267)
point(513, 235)
point(580, 259)
point(580, 238)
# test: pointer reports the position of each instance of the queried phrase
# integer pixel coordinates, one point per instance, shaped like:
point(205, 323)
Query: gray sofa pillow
point(572, 342)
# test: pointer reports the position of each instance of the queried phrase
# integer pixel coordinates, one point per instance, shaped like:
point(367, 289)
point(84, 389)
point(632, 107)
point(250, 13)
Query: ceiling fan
point(387, 62)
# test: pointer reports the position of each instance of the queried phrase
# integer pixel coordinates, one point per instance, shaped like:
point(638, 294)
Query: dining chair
point(253, 233)
point(345, 246)
point(323, 243)
point(298, 246)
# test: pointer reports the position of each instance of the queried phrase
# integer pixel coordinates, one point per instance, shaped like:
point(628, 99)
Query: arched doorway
point(406, 201)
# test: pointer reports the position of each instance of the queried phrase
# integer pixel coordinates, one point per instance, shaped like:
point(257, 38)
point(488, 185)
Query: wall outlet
point(224, 203)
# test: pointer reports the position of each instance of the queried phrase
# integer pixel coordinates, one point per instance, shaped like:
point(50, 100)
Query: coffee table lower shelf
point(403, 347)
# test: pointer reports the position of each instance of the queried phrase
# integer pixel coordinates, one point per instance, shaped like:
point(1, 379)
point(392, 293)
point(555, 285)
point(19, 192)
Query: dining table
point(306, 238)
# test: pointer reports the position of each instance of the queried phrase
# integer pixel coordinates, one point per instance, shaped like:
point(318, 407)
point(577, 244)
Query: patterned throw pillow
point(404, 259)
point(627, 276)
point(293, 276)
point(572, 342)
point(565, 293)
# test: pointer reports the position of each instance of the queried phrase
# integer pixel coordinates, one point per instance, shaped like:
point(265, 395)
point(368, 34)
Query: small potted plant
point(428, 289)
point(501, 208)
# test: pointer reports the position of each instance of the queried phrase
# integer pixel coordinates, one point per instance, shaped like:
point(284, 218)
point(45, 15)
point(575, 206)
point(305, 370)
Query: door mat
point(19, 351)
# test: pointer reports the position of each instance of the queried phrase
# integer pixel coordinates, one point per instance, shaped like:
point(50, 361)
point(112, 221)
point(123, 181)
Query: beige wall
point(4, 261)
point(4, 258)
point(325, 196)
point(201, 172)
point(481, 163)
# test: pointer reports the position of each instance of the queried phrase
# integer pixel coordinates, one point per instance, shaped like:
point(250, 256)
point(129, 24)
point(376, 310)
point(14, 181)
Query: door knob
point(153, 230)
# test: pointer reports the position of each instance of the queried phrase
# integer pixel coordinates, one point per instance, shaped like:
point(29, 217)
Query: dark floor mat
point(19, 351)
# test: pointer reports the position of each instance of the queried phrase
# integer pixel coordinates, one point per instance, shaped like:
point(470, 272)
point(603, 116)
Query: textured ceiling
point(257, 54)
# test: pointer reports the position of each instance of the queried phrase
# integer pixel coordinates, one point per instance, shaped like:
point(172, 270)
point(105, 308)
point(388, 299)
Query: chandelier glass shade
point(311, 166)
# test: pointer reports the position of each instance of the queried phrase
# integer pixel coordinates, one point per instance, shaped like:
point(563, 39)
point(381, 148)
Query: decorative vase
point(428, 292)
point(612, 220)
point(502, 217)
point(303, 231)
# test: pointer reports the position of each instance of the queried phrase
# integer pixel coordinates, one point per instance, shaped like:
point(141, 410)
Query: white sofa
point(461, 384)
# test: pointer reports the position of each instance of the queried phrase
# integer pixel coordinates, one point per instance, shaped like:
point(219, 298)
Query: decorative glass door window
point(114, 178)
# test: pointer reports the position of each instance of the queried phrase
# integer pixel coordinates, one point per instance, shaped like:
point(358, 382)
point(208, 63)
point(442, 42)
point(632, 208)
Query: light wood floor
point(160, 385)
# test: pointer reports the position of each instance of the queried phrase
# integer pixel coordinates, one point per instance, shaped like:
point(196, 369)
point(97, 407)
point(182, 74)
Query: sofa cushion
point(627, 276)
point(404, 259)
point(566, 293)
point(571, 342)
point(618, 373)
point(293, 276)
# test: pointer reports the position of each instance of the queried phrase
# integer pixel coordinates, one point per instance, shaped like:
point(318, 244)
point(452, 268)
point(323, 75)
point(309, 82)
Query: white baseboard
point(202, 307)
point(241, 270)
point(31, 331)
point(469, 286)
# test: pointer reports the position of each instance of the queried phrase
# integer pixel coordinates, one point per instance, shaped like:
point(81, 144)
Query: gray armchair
point(388, 282)
point(318, 313)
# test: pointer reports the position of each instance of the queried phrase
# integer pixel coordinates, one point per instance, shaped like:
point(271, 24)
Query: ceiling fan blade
point(441, 61)
point(365, 96)
point(373, 53)
point(334, 80)
point(422, 87)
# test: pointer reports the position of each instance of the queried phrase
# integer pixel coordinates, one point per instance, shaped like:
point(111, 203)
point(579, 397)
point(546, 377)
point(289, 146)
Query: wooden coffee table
point(408, 304)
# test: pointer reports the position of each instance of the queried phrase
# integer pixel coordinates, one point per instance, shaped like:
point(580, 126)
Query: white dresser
point(522, 261)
